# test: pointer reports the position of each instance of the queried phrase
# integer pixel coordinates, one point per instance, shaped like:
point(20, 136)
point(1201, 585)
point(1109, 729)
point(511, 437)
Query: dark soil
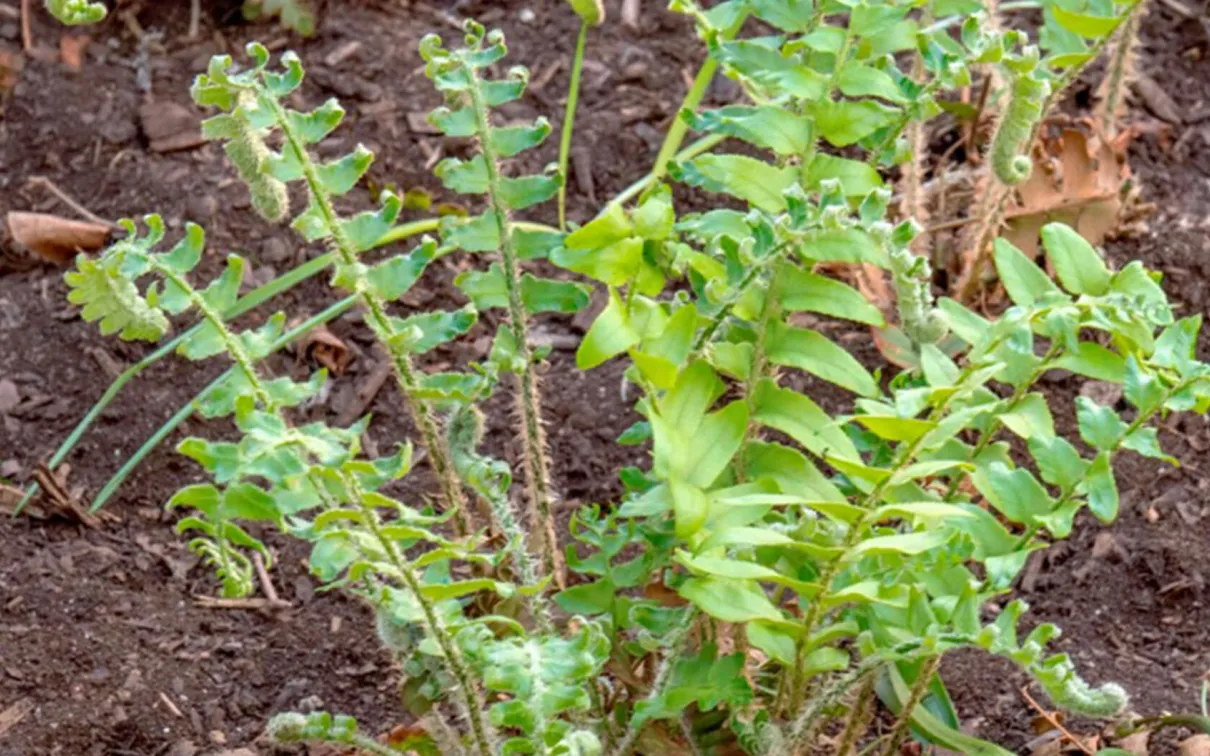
point(99, 630)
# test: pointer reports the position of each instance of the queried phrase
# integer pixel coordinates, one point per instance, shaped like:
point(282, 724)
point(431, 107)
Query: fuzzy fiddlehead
point(913, 281)
point(322, 727)
point(1011, 143)
point(246, 148)
point(254, 97)
point(458, 74)
point(76, 12)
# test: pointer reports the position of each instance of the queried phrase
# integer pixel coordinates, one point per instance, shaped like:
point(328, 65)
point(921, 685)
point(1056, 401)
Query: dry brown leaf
point(56, 239)
point(12, 716)
point(1077, 180)
point(1136, 743)
point(322, 346)
point(11, 64)
point(1198, 745)
point(71, 50)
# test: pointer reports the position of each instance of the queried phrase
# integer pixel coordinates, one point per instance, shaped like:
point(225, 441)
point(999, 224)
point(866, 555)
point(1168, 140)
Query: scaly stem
point(663, 674)
point(537, 464)
point(569, 120)
point(858, 721)
point(759, 366)
point(904, 722)
point(435, 628)
point(1120, 70)
point(405, 372)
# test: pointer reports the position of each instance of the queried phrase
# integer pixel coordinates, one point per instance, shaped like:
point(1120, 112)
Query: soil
point(102, 643)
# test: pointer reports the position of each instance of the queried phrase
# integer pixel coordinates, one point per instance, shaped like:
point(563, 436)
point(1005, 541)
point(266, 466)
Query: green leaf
point(1142, 388)
point(754, 181)
point(814, 353)
point(939, 370)
point(331, 555)
point(478, 234)
point(1079, 268)
point(800, 418)
point(1100, 426)
point(857, 178)
point(245, 501)
point(526, 191)
point(965, 324)
point(587, 598)
point(394, 277)
point(1085, 25)
point(655, 217)
point(610, 335)
point(849, 245)
point(802, 291)
point(729, 600)
point(1015, 493)
point(1058, 461)
point(420, 333)
point(1024, 281)
point(1146, 441)
point(341, 175)
point(591, 12)
point(766, 126)
point(615, 264)
point(859, 80)
point(845, 122)
point(892, 428)
point(511, 140)
point(612, 225)
point(1092, 360)
point(690, 507)
point(76, 12)
point(790, 470)
point(1102, 489)
point(115, 301)
point(1030, 418)
point(463, 176)
point(765, 65)
point(905, 544)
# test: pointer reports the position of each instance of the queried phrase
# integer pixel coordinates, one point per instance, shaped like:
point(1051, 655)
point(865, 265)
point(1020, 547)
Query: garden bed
point(104, 648)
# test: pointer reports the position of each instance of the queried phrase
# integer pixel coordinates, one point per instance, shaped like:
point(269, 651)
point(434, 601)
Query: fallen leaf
point(1136, 743)
point(71, 50)
point(10, 717)
point(11, 64)
point(1078, 179)
point(56, 239)
point(1198, 745)
point(1157, 100)
point(322, 346)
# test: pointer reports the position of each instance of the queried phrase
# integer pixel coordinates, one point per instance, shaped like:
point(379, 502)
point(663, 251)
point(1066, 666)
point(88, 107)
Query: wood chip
point(342, 53)
point(71, 50)
point(170, 127)
point(55, 239)
point(581, 163)
point(106, 362)
point(631, 10)
point(210, 602)
point(1157, 100)
point(12, 716)
point(322, 346)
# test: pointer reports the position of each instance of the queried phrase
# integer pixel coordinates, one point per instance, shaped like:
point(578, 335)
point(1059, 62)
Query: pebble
point(118, 130)
point(201, 208)
point(10, 397)
point(275, 251)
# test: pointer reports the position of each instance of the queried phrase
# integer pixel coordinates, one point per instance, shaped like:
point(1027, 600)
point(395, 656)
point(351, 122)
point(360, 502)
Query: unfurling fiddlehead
point(1010, 145)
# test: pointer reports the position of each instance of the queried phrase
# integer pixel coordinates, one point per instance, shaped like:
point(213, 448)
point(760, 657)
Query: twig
point(1022, 212)
point(66, 199)
point(195, 18)
point(27, 34)
point(171, 706)
point(210, 602)
point(1054, 722)
point(265, 583)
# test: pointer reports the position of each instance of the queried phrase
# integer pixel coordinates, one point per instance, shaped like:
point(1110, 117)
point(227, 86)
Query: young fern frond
point(254, 97)
point(1120, 74)
point(76, 12)
point(458, 74)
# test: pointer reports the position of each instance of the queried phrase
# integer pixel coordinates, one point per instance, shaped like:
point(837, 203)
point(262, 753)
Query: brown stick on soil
point(67, 199)
point(211, 602)
point(266, 583)
point(1054, 722)
point(27, 34)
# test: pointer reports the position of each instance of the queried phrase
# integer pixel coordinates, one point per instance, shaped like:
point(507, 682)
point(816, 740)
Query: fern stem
point(663, 674)
point(435, 628)
point(569, 119)
point(858, 721)
point(405, 372)
point(1120, 70)
point(533, 436)
point(919, 688)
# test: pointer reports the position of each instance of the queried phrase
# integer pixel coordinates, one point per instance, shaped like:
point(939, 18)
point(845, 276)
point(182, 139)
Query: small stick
point(1054, 722)
point(66, 199)
point(195, 18)
point(263, 576)
point(210, 602)
point(171, 706)
point(27, 34)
